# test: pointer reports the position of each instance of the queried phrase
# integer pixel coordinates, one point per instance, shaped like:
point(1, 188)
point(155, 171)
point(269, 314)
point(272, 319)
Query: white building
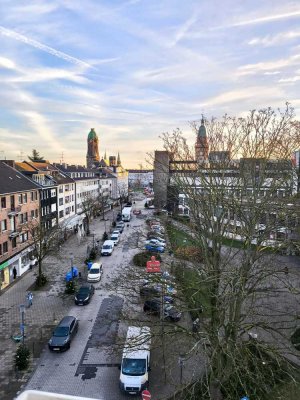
point(140, 178)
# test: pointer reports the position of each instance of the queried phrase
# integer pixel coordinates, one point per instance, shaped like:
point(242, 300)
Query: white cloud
point(7, 63)
point(50, 50)
point(269, 65)
point(289, 80)
point(273, 40)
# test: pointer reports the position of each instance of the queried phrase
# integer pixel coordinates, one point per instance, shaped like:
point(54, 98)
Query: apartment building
point(19, 204)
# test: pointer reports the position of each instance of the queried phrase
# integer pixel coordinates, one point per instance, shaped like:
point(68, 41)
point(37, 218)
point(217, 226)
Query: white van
point(107, 248)
point(135, 366)
point(95, 272)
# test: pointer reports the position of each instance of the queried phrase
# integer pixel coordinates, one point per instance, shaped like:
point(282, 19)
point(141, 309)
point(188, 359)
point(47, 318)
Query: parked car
point(157, 228)
point(137, 212)
point(155, 235)
point(156, 242)
point(154, 306)
point(107, 248)
point(119, 227)
point(154, 290)
point(84, 294)
point(95, 272)
point(115, 237)
point(156, 249)
point(119, 216)
point(63, 334)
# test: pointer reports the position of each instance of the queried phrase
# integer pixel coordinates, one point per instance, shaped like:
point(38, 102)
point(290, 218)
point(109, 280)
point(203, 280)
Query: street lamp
point(22, 326)
point(181, 360)
point(72, 262)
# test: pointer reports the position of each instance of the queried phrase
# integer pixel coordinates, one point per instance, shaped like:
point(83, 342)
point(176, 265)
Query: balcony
point(14, 211)
point(14, 233)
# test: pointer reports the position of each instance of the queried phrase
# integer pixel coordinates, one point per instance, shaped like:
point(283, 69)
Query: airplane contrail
point(43, 47)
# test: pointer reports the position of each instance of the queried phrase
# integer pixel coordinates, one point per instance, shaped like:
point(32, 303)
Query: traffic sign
point(146, 395)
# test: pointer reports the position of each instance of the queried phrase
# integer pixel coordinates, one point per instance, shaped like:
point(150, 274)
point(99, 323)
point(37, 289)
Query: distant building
point(19, 204)
point(139, 178)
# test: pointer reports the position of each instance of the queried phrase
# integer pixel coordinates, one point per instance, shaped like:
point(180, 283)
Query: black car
point(120, 227)
point(154, 307)
point(84, 294)
point(63, 334)
point(119, 217)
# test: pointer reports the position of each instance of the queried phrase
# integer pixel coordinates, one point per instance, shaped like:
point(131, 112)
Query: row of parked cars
point(155, 238)
point(67, 328)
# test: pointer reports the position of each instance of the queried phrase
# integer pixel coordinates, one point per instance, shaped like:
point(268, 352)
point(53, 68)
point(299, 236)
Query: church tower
point(118, 160)
point(92, 155)
point(201, 146)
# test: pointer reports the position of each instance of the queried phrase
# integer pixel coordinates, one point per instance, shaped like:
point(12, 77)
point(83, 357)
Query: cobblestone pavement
point(88, 368)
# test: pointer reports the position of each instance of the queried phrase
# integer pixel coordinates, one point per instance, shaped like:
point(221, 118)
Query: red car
point(137, 212)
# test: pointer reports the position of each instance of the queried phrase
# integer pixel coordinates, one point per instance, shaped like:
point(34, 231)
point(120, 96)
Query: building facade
point(19, 204)
point(140, 178)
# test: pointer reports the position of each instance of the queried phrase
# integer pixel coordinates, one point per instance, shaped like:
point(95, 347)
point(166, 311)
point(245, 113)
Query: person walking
point(30, 298)
point(14, 272)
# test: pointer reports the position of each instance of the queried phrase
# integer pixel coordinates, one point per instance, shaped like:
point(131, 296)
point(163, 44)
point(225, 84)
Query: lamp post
point(22, 312)
point(72, 262)
point(181, 364)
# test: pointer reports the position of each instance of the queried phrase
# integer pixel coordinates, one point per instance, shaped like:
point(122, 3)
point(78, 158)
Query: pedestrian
point(30, 298)
point(15, 272)
point(286, 270)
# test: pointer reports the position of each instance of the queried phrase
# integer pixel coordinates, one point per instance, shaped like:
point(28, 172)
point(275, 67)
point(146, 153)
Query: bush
point(22, 357)
point(70, 287)
point(189, 253)
point(41, 280)
point(141, 259)
point(105, 236)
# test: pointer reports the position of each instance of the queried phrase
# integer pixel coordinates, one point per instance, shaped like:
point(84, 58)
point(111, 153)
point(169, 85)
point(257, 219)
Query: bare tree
point(44, 241)
point(89, 206)
point(242, 196)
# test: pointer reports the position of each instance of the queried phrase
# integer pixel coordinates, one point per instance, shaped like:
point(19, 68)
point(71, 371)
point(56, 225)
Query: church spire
point(118, 159)
point(201, 146)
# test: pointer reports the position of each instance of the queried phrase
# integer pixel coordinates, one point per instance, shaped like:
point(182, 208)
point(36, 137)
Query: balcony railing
point(14, 211)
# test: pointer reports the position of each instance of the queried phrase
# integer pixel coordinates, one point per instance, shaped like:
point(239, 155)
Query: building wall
point(86, 188)
point(15, 249)
point(141, 178)
point(66, 201)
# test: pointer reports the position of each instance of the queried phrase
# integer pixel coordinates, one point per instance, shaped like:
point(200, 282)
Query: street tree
point(35, 156)
point(89, 206)
point(44, 241)
point(242, 207)
point(122, 194)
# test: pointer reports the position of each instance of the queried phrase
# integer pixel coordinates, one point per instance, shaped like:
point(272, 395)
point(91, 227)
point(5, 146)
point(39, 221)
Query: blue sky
point(133, 69)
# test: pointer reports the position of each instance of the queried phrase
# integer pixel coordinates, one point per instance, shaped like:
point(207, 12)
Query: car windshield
point(84, 289)
point(61, 331)
point(107, 247)
point(135, 367)
point(94, 271)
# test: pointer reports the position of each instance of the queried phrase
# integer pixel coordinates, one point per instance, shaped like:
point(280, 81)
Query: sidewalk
point(49, 306)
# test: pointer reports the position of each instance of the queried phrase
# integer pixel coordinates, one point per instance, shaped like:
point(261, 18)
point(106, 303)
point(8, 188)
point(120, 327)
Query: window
point(68, 211)
point(32, 196)
point(14, 242)
point(36, 213)
point(67, 188)
point(61, 214)
point(24, 237)
point(72, 208)
point(25, 198)
point(61, 202)
point(32, 214)
point(26, 217)
point(3, 225)
point(0, 249)
point(5, 247)
point(61, 189)
point(20, 198)
point(36, 195)
point(3, 202)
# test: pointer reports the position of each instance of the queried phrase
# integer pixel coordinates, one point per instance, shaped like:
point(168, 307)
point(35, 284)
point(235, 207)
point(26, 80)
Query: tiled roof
point(23, 166)
point(42, 166)
point(12, 181)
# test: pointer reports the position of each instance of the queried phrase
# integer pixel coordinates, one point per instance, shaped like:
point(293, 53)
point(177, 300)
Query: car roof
point(66, 321)
point(96, 265)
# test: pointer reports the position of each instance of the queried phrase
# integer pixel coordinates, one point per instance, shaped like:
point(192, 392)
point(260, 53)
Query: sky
point(132, 69)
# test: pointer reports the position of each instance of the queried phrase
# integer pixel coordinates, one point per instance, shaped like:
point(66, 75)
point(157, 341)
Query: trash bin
point(89, 265)
point(75, 272)
point(68, 276)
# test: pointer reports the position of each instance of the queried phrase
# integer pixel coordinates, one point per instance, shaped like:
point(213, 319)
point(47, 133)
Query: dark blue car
point(156, 249)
